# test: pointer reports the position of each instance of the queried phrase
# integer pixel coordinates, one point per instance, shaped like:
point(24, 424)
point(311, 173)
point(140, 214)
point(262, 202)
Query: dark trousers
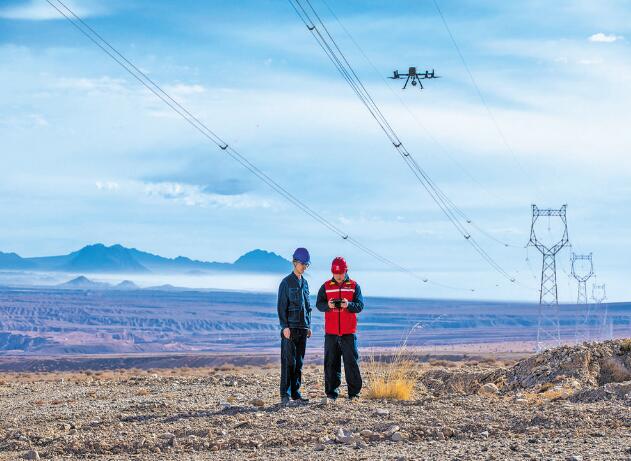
point(292, 355)
point(337, 348)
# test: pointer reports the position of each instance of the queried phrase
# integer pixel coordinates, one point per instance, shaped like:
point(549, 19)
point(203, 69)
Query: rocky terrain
point(571, 403)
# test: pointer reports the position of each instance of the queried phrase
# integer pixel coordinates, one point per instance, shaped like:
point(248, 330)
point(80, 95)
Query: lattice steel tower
point(603, 324)
point(582, 271)
point(548, 331)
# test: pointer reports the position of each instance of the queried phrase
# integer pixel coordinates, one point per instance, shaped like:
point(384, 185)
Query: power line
point(159, 92)
point(477, 89)
point(339, 60)
point(427, 133)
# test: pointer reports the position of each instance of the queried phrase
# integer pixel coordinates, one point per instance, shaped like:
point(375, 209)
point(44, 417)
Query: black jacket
point(294, 307)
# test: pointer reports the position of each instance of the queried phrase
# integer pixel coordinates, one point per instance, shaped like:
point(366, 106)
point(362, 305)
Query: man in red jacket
point(341, 300)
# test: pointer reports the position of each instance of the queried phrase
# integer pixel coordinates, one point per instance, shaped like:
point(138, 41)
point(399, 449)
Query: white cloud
point(191, 195)
point(181, 89)
point(100, 84)
point(604, 38)
point(39, 10)
point(107, 185)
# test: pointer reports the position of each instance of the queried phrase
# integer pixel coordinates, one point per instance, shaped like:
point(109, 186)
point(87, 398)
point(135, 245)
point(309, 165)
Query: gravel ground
point(234, 414)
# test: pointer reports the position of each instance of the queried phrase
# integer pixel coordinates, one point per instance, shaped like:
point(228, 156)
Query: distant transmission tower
point(548, 331)
point(582, 274)
point(603, 323)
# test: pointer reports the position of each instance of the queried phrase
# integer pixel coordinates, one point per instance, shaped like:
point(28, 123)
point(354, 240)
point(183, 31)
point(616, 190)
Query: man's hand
point(309, 333)
point(344, 304)
point(331, 304)
point(286, 333)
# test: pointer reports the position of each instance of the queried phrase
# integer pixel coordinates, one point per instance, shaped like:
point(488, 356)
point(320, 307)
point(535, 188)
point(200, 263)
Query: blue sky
point(90, 156)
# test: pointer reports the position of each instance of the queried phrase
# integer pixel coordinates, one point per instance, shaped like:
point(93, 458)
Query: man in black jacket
point(294, 315)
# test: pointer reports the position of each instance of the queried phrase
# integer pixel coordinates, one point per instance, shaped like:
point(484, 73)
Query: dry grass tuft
point(443, 363)
point(550, 394)
point(397, 389)
point(615, 371)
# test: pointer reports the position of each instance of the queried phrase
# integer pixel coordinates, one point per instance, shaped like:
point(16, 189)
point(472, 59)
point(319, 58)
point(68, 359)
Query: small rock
point(31, 454)
point(484, 434)
point(258, 403)
point(319, 447)
point(367, 433)
point(382, 412)
point(489, 389)
point(396, 437)
point(574, 458)
point(361, 444)
point(343, 436)
point(448, 432)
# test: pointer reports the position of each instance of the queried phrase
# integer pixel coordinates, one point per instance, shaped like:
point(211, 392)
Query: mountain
point(117, 259)
point(13, 261)
point(83, 283)
point(126, 285)
point(99, 258)
point(262, 261)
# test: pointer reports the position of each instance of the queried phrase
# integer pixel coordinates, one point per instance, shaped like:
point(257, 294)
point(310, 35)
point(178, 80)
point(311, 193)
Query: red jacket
point(340, 321)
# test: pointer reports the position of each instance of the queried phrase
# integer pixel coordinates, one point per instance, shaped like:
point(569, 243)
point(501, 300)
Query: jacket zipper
point(339, 316)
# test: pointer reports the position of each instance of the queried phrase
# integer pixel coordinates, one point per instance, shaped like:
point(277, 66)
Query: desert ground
point(570, 403)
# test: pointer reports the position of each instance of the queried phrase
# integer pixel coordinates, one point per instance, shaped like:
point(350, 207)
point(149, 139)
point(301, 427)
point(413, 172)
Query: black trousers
point(337, 348)
point(292, 355)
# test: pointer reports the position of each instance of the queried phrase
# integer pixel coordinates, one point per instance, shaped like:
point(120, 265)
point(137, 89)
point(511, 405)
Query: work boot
point(300, 399)
point(284, 400)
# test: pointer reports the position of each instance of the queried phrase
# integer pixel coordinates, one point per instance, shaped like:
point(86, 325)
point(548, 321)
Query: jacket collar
point(343, 281)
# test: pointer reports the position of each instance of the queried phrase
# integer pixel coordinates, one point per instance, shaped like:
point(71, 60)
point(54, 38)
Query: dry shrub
point(225, 367)
point(545, 387)
point(142, 392)
point(389, 380)
point(489, 361)
point(442, 363)
point(625, 345)
point(550, 394)
point(614, 371)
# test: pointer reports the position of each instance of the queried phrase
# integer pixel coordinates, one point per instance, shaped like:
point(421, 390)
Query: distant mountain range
point(117, 259)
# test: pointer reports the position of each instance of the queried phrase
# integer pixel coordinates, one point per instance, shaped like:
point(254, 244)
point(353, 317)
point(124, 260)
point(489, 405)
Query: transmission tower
point(582, 271)
point(603, 323)
point(548, 331)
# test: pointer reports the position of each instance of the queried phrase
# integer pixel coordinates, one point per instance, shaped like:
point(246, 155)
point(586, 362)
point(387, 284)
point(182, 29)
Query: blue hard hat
point(302, 255)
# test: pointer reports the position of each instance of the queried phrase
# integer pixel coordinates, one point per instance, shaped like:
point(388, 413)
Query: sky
point(89, 155)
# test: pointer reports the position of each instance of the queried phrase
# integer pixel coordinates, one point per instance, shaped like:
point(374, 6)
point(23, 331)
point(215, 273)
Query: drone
point(414, 76)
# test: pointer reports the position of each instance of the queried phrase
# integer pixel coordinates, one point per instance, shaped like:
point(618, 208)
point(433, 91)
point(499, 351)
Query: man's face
point(299, 267)
point(339, 278)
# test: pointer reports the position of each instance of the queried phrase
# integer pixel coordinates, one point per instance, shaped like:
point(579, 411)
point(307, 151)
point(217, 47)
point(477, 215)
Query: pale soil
point(213, 414)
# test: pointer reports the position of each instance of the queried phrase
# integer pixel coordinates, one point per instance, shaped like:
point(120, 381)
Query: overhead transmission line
point(432, 138)
point(496, 124)
point(191, 119)
point(330, 47)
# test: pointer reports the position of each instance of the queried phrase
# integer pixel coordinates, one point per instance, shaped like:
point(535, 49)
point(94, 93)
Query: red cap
point(339, 266)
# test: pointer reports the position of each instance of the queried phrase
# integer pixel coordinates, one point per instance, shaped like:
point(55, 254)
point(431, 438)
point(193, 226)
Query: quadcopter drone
point(414, 76)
